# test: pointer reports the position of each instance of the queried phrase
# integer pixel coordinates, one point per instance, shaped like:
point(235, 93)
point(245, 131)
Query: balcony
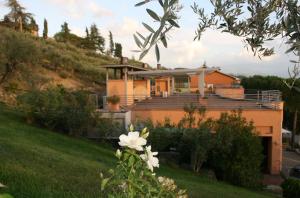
point(258, 100)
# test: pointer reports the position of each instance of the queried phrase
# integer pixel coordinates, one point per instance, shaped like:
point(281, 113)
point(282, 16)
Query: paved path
point(289, 160)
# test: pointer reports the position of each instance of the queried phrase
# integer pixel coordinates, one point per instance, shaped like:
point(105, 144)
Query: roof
point(171, 72)
point(126, 66)
point(218, 71)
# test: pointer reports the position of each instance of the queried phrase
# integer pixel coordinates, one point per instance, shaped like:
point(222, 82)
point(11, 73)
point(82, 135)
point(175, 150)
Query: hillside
point(38, 163)
point(47, 62)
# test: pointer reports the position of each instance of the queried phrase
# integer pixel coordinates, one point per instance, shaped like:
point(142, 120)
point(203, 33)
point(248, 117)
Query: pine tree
point(118, 50)
point(65, 28)
point(111, 44)
point(96, 39)
point(18, 15)
point(45, 32)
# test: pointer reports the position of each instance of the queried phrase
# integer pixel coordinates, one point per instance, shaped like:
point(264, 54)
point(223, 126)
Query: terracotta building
point(159, 94)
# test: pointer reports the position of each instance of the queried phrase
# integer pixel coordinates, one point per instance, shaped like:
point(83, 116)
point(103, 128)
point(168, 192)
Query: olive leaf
point(157, 53)
point(153, 14)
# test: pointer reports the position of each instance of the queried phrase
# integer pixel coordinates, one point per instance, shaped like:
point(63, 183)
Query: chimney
point(145, 65)
point(124, 61)
point(158, 66)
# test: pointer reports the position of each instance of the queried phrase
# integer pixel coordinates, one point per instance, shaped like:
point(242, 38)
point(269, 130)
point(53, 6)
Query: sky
point(216, 49)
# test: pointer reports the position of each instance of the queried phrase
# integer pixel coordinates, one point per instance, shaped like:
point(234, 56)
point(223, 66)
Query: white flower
point(133, 141)
point(149, 158)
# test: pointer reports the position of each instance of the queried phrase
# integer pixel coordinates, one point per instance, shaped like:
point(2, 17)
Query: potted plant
point(113, 103)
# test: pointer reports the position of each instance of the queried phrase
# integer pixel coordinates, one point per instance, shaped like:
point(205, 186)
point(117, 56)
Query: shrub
point(113, 99)
point(59, 109)
point(194, 146)
point(236, 154)
point(291, 188)
point(163, 138)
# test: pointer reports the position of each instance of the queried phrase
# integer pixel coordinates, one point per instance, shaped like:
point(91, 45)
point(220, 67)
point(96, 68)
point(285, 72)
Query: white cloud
point(79, 8)
point(98, 11)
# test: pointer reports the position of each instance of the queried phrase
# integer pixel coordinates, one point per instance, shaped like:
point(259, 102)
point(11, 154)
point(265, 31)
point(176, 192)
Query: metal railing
point(261, 100)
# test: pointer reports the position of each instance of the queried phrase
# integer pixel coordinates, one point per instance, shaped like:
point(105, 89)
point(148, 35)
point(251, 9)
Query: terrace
point(141, 88)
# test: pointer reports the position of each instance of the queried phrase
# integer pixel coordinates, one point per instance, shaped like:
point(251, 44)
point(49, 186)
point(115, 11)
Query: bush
point(236, 154)
point(59, 109)
point(163, 138)
point(113, 99)
point(194, 146)
point(291, 188)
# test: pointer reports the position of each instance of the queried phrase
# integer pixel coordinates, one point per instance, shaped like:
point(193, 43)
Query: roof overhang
point(125, 66)
point(170, 72)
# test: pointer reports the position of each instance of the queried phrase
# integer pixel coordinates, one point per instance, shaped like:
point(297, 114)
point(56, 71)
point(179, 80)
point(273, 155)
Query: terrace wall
point(268, 123)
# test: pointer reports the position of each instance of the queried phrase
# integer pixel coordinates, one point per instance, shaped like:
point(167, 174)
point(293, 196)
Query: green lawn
point(36, 163)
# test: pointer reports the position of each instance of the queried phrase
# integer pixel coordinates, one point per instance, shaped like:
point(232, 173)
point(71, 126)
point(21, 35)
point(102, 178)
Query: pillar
point(173, 84)
point(201, 83)
point(126, 85)
point(107, 78)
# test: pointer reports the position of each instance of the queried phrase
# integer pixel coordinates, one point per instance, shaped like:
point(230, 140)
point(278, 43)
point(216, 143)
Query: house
point(159, 94)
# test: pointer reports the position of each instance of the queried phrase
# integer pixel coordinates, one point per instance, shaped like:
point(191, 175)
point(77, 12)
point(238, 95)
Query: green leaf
point(153, 14)
point(141, 3)
point(172, 2)
point(103, 183)
point(143, 54)
point(148, 27)
point(157, 53)
point(147, 40)
point(164, 41)
point(172, 22)
point(161, 3)
point(140, 35)
point(137, 41)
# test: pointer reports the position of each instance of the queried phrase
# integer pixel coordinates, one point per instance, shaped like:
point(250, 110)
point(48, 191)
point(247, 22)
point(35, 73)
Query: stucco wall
point(215, 78)
point(117, 87)
point(226, 92)
point(268, 123)
point(141, 89)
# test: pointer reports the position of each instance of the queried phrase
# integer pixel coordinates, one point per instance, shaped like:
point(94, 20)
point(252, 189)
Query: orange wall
point(164, 84)
point(213, 78)
point(117, 87)
point(236, 93)
point(268, 123)
point(141, 89)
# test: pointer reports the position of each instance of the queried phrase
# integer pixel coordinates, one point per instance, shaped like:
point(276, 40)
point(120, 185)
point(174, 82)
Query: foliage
point(167, 22)
point(189, 119)
point(118, 50)
point(45, 31)
point(291, 188)
point(15, 52)
point(59, 109)
point(19, 18)
point(236, 154)
point(111, 44)
point(195, 145)
point(98, 42)
point(163, 138)
point(133, 176)
point(113, 99)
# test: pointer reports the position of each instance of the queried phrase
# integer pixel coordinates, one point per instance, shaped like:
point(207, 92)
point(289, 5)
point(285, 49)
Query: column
point(126, 85)
point(173, 85)
point(201, 83)
point(107, 94)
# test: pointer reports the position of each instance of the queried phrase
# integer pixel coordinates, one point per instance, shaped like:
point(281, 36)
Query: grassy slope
point(38, 163)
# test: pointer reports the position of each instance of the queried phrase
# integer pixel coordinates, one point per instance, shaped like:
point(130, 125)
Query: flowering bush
point(134, 175)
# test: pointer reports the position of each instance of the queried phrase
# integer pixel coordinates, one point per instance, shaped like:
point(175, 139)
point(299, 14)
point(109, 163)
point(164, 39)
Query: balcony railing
point(259, 100)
